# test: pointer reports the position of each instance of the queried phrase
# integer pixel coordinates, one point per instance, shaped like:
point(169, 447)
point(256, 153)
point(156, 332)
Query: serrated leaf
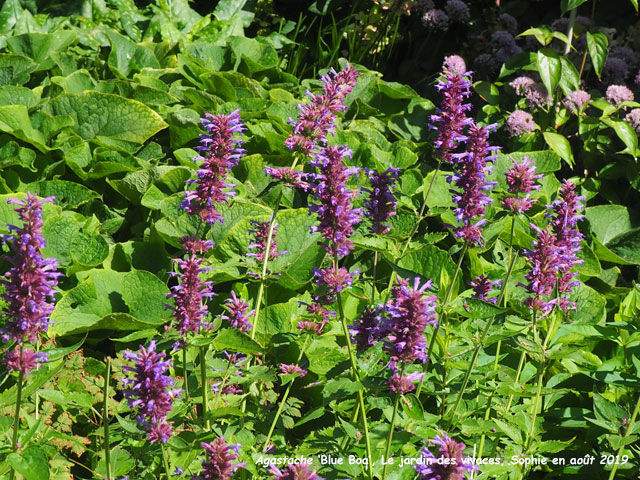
point(67, 194)
point(32, 463)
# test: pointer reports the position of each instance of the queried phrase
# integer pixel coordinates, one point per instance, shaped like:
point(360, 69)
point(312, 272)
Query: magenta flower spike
point(218, 463)
point(521, 178)
point(149, 391)
point(367, 329)
point(448, 464)
point(381, 204)
point(238, 312)
point(403, 384)
point(29, 286)
point(294, 472)
point(220, 152)
point(483, 286)
point(286, 369)
point(260, 234)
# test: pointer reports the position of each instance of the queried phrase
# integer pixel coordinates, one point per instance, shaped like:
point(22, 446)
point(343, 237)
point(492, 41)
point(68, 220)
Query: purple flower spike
point(367, 330)
point(483, 286)
point(449, 464)
point(286, 369)
point(317, 118)
point(189, 295)
point(299, 471)
point(404, 384)
point(521, 178)
point(381, 204)
point(239, 313)
point(149, 392)
point(336, 215)
point(31, 281)
point(23, 360)
point(260, 233)
point(335, 280)
point(409, 311)
point(220, 149)
point(288, 176)
point(218, 464)
point(451, 118)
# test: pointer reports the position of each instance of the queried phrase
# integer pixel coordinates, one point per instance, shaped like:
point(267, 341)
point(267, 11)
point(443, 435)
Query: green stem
point(203, 378)
point(184, 372)
point(387, 452)
point(165, 459)
point(534, 411)
point(356, 376)
point(632, 421)
point(518, 373)
point(442, 310)
point(373, 283)
point(105, 419)
point(16, 418)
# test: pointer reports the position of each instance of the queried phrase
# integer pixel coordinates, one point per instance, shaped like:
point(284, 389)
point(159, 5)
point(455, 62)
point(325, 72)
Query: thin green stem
point(387, 452)
point(632, 421)
point(16, 418)
point(373, 282)
point(443, 320)
point(165, 459)
point(105, 419)
point(205, 390)
point(534, 411)
point(184, 373)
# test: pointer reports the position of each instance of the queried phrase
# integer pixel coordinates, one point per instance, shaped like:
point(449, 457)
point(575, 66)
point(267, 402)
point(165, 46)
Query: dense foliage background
point(100, 106)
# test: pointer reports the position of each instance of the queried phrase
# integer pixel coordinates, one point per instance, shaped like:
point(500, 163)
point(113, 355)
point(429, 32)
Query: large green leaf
point(608, 221)
point(32, 463)
point(127, 57)
point(105, 116)
point(550, 69)
point(560, 145)
point(40, 46)
point(597, 44)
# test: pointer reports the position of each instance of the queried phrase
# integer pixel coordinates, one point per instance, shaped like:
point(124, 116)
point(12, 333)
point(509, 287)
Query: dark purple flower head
point(149, 391)
point(220, 152)
point(509, 22)
point(286, 369)
point(299, 471)
point(317, 118)
point(23, 360)
point(218, 464)
point(368, 329)
point(334, 279)
point(436, 19)
point(31, 281)
point(403, 384)
point(288, 176)
point(483, 286)
point(521, 178)
point(336, 215)
point(501, 39)
point(189, 296)
point(449, 464)
point(381, 204)
point(409, 312)
point(238, 312)
point(457, 10)
point(519, 123)
point(625, 54)
point(615, 71)
point(260, 233)
point(451, 119)
point(471, 184)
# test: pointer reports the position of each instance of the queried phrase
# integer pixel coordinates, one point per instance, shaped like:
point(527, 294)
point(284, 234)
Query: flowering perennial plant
point(483, 286)
point(220, 152)
point(218, 463)
point(381, 204)
point(149, 391)
point(238, 313)
point(449, 464)
point(260, 234)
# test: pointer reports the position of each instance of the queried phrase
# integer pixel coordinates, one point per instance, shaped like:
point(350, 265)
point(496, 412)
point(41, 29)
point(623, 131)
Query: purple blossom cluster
point(260, 233)
point(483, 287)
point(367, 329)
point(286, 369)
point(190, 294)
point(577, 101)
point(299, 471)
point(220, 152)
point(219, 460)
point(535, 93)
point(520, 123)
point(238, 312)
point(633, 119)
point(334, 209)
point(29, 287)
point(289, 177)
point(317, 118)
point(234, 360)
point(521, 179)
point(149, 391)
point(616, 94)
point(381, 204)
point(469, 178)
point(449, 464)
point(403, 384)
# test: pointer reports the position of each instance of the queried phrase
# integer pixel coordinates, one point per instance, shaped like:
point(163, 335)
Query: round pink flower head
point(616, 94)
point(633, 119)
point(519, 123)
point(577, 101)
point(454, 64)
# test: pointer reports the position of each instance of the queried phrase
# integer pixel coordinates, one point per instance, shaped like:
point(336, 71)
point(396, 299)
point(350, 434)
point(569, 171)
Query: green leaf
point(14, 119)
point(40, 46)
point(488, 92)
point(145, 295)
point(566, 5)
point(627, 246)
point(121, 463)
point(560, 145)
point(608, 221)
point(13, 95)
point(597, 44)
point(475, 308)
point(550, 69)
point(67, 194)
point(15, 69)
point(13, 154)
point(106, 116)
point(127, 57)
point(626, 133)
point(324, 354)
point(68, 243)
point(570, 79)
point(236, 341)
point(32, 463)
point(428, 263)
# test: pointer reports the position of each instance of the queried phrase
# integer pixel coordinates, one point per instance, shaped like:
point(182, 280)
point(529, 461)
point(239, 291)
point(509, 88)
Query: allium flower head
point(238, 313)
point(509, 23)
point(483, 286)
point(31, 281)
point(336, 215)
point(409, 312)
point(317, 118)
point(625, 54)
point(367, 329)
point(616, 94)
point(149, 391)
point(633, 119)
point(521, 178)
point(381, 204)
point(436, 19)
point(452, 468)
point(403, 384)
point(299, 471)
point(577, 101)
point(454, 64)
point(260, 234)
point(218, 464)
point(457, 10)
point(520, 122)
point(190, 294)
point(286, 369)
point(450, 119)
point(220, 152)
point(501, 38)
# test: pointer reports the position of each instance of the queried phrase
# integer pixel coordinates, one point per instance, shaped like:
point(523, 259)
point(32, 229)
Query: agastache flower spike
point(149, 391)
point(409, 311)
point(403, 384)
point(294, 472)
point(483, 286)
point(238, 312)
point(521, 178)
point(218, 464)
point(449, 464)
point(368, 329)
point(381, 204)
point(336, 215)
point(189, 295)
point(220, 149)
point(317, 118)
point(260, 233)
